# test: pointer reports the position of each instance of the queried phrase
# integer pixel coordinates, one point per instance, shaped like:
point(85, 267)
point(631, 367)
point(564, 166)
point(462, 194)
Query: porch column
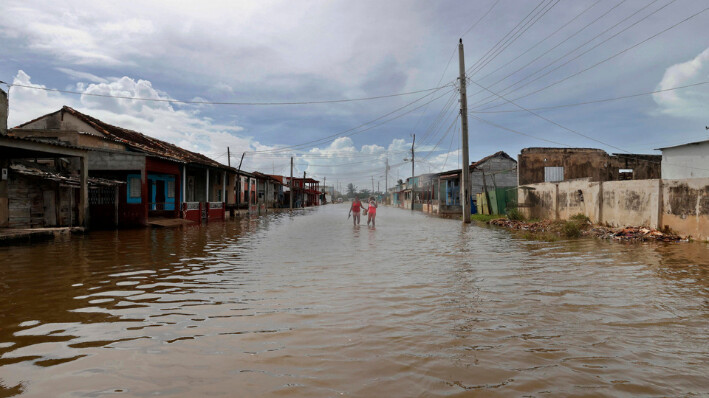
point(224, 188)
point(207, 187)
point(183, 198)
point(84, 192)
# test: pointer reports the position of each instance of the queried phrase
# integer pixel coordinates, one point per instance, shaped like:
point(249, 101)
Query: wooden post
point(84, 192)
point(487, 195)
point(291, 183)
point(465, 171)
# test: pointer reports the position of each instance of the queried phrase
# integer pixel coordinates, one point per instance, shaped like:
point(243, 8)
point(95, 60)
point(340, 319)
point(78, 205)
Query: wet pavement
point(306, 305)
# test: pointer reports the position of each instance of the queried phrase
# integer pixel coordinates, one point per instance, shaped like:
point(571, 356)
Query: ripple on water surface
point(307, 305)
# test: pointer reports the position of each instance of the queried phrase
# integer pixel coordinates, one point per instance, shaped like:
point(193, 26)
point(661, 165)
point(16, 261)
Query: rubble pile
point(627, 234)
point(634, 234)
point(539, 226)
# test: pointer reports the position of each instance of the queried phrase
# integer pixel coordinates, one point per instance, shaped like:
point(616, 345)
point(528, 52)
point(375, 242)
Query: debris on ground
point(627, 234)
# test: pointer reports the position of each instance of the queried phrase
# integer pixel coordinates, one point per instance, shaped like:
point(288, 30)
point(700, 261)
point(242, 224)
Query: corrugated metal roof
point(147, 144)
point(677, 146)
point(60, 144)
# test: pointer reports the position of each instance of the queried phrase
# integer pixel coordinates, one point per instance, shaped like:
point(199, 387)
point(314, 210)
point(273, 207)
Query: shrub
point(515, 214)
point(571, 229)
point(580, 218)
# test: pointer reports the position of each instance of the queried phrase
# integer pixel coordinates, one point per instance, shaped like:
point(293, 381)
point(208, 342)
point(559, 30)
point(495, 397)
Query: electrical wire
point(587, 42)
point(270, 103)
point(481, 59)
point(612, 56)
point(543, 108)
point(480, 19)
point(552, 48)
point(343, 133)
point(518, 35)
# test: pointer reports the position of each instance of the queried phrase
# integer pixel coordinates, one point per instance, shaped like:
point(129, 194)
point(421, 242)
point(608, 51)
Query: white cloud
point(183, 127)
point(79, 75)
point(686, 103)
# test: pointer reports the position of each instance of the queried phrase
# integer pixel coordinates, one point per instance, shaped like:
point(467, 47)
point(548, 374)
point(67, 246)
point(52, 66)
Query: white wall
point(686, 161)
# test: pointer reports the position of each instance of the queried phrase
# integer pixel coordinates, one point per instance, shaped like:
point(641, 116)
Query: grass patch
point(484, 217)
point(542, 236)
point(580, 218)
point(515, 215)
point(571, 229)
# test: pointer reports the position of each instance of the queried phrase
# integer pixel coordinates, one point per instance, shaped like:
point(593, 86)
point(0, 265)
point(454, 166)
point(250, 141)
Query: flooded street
point(306, 305)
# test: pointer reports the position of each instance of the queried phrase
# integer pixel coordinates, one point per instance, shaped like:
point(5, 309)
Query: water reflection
point(305, 304)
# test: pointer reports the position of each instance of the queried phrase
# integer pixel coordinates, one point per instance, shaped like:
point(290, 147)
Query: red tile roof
point(142, 142)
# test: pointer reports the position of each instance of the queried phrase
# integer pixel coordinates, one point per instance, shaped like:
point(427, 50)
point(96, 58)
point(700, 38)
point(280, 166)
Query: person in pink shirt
point(372, 211)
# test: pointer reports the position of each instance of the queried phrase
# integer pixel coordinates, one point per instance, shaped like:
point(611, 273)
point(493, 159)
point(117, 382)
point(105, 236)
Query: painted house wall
point(686, 161)
point(499, 172)
point(4, 109)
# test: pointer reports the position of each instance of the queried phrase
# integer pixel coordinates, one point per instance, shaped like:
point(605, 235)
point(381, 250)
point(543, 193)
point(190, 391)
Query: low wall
point(685, 206)
point(633, 202)
point(681, 205)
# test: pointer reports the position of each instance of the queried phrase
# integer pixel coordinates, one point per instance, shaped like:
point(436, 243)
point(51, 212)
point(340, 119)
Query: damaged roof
point(139, 141)
point(62, 178)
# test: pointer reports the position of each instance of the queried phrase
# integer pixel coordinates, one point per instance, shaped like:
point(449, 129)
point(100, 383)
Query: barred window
point(134, 187)
point(171, 189)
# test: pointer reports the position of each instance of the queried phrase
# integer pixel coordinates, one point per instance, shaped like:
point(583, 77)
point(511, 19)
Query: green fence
point(501, 199)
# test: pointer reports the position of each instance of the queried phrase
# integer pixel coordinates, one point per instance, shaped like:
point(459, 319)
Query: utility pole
point(386, 179)
point(291, 183)
point(303, 201)
point(413, 184)
point(228, 157)
point(465, 169)
point(372, 184)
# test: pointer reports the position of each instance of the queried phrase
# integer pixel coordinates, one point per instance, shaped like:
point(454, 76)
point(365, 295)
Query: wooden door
point(50, 209)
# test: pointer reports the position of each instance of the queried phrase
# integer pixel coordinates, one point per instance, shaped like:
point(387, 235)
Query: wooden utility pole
point(386, 180)
point(413, 184)
point(303, 201)
point(465, 169)
point(291, 183)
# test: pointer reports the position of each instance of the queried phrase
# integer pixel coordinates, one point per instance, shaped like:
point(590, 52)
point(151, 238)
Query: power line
point(594, 101)
point(272, 103)
point(582, 45)
point(518, 35)
point(333, 137)
point(630, 155)
point(479, 19)
point(611, 57)
point(504, 37)
point(552, 48)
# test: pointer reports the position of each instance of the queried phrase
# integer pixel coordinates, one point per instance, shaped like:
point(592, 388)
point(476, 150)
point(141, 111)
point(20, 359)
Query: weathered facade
point(161, 179)
point(681, 205)
point(536, 165)
point(686, 161)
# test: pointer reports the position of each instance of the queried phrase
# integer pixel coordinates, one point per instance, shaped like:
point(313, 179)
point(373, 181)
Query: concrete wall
point(538, 201)
point(591, 163)
point(100, 160)
point(686, 161)
point(631, 203)
point(4, 108)
point(685, 205)
point(579, 196)
point(681, 205)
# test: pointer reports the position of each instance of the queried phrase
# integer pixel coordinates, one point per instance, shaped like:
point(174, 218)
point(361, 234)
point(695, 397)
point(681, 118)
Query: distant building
point(686, 161)
point(559, 164)
point(159, 179)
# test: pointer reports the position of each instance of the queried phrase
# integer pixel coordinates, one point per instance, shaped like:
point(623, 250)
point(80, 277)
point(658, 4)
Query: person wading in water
point(372, 211)
point(355, 210)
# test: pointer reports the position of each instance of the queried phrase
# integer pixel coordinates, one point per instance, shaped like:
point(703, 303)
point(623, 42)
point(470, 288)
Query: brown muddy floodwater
point(305, 305)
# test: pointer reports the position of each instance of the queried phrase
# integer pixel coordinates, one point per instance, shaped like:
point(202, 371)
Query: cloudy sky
point(525, 59)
